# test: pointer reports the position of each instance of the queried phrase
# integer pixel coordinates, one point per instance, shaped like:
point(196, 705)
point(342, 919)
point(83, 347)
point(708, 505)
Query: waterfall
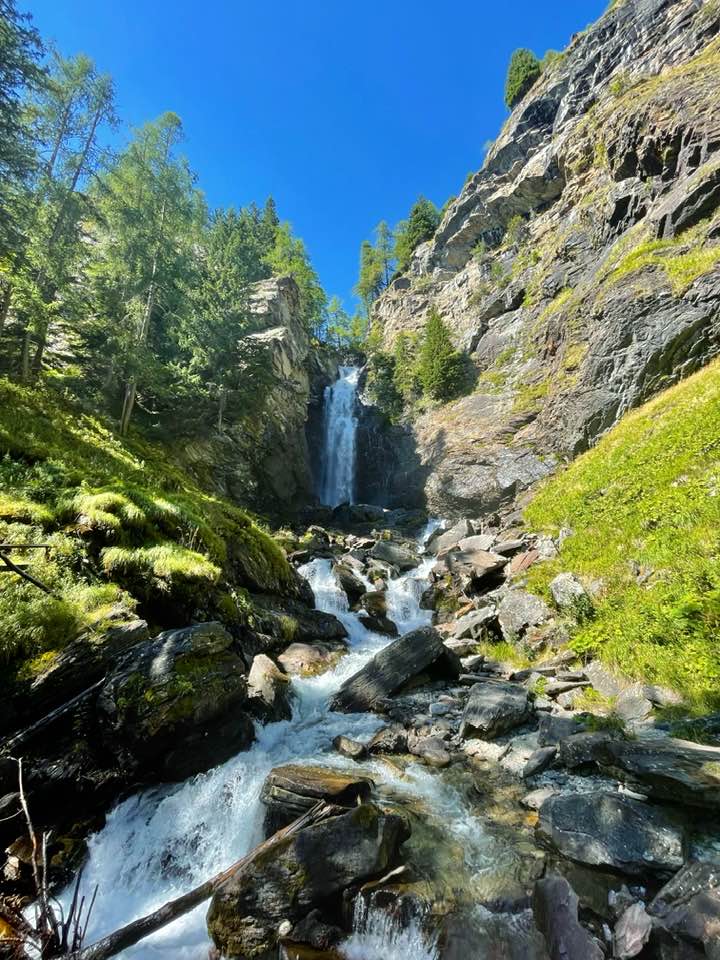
point(337, 476)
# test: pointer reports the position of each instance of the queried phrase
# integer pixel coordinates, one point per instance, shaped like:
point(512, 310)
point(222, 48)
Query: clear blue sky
point(344, 111)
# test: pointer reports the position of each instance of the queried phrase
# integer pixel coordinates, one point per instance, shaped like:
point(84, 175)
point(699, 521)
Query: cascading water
point(163, 842)
point(337, 474)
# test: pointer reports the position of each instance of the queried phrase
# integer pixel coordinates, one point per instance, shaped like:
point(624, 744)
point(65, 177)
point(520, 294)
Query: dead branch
point(14, 742)
point(131, 934)
point(24, 574)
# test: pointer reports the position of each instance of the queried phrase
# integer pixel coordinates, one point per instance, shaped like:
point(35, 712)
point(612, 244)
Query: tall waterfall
point(337, 476)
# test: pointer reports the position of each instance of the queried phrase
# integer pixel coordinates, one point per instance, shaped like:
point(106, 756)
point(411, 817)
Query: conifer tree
point(420, 226)
point(440, 366)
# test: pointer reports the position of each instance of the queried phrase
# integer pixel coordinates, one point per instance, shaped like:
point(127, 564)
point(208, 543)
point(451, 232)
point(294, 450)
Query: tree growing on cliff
point(440, 366)
point(420, 226)
point(523, 70)
point(289, 256)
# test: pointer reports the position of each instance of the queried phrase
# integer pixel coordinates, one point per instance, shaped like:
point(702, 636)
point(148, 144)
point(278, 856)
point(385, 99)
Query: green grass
point(125, 522)
point(648, 494)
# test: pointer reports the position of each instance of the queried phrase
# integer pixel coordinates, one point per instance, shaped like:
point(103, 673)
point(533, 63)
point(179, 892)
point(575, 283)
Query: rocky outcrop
point(291, 790)
point(578, 269)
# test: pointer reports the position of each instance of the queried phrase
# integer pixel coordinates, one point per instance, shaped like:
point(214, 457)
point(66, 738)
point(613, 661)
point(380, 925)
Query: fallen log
point(131, 934)
point(12, 743)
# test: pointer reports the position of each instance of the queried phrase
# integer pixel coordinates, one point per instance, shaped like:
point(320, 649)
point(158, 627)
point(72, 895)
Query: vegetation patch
point(647, 498)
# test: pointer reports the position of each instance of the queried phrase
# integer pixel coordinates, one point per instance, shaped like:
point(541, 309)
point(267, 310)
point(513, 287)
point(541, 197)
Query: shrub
point(523, 71)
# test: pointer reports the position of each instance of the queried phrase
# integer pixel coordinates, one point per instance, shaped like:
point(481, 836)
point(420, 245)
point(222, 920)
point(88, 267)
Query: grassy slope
point(124, 522)
point(647, 499)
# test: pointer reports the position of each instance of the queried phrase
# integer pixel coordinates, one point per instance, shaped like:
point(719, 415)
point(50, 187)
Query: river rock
point(675, 771)
point(269, 689)
point(292, 789)
point(352, 749)
point(375, 603)
point(308, 659)
point(451, 537)
point(177, 706)
point(378, 624)
point(388, 740)
point(519, 610)
point(420, 651)
point(539, 761)
point(394, 554)
point(687, 909)
point(610, 831)
point(350, 582)
point(494, 708)
point(555, 908)
point(583, 749)
point(432, 750)
point(308, 870)
point(632, 932)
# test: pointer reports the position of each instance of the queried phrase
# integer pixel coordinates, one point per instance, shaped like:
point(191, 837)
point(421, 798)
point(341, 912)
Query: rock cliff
point(580, 268)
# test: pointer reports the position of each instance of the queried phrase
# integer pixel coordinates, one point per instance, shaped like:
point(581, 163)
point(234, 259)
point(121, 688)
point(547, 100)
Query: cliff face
point(263, 461)
point(580, 268)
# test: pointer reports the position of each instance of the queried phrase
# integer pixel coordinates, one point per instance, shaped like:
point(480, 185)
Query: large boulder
point(494, 707)
point(307, 870)
point(418, 652)
point(613, 832)
point(555, 908)
point(309, 659)
point(292, 789)
point(394, 554)
point(451, 537)
point(269, 689)
point(178, 705)
point(686, 911)
point(676, 771)
point(350, 581)
point(520, 610)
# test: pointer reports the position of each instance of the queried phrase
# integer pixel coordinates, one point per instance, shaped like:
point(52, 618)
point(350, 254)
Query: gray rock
point(308, 659)
point(270, 689)
point(583, 749)
point(632, 932)
point(676, 771)
point(613, 832)
point(632, 705)
point(389, 740)
point(536, 798)
point(433, 751)
point(473, 625)
point(350, 581)
point(519, 610)
point(555, 908)
point(540, 760)
point(302, 872)
point(494, 708)
point(393, 553)
point(352, 749)
point(421, 651)
point(605, 682)
point(481, 541)
point(378, 624)
point(451, 537)
point(553, 729)
point(687, 909)
point(292, 789)
point(568, 593)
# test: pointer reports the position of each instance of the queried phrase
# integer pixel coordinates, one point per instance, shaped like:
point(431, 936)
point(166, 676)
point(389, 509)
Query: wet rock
point(555, 908)
point(686, 911)
point(378, 624)
point(519, 610)
point(393, 553)
point(614, 832)
point(352, 749)
point(536, 798)
point(314, 932)
point(303, 872)
point(350, 582)
point(494, 708)
point(676, 771)
point(389, 740)
point(177, 705)
point(418, 652)
point(632, 932)
point(433, 751)
point(375, 603)
point(292, 789)
point(269, 690)
point(540, 760)
point(309, 659)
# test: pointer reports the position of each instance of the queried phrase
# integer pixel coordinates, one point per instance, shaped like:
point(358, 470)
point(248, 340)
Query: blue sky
point(344, 111)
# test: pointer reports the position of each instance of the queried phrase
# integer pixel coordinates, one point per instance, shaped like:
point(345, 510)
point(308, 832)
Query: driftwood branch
point(24, 574)
point(131, 934)
point(14, 742)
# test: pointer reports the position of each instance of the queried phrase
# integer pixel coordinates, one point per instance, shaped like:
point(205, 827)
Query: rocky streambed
point(482, 809)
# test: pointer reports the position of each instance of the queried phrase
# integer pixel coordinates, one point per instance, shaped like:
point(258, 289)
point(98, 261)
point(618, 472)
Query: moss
point(649, 493)
point(19, 508)
point(530, 397)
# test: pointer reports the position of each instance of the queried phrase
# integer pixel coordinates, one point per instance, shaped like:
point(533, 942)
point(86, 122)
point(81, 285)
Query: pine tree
point(440, 366)
point(523, 71)
point(420, 226)
point(290, 257)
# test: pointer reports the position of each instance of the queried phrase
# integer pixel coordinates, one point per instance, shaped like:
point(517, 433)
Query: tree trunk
point(127, 408)
point(25, 356)
point(221, 409)
point(5, 305)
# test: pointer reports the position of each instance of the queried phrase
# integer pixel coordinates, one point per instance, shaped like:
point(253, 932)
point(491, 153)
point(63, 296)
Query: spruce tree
point(523, 71)
point(420, 226)
point(440, 367)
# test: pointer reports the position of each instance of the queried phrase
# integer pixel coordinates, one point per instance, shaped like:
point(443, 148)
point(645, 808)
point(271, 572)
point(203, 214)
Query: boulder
point(303, 872)
point(269, 689)
point(583, 749)
point(292, 789)
point(391, 739)
point(611, 831)
point(352, 749)
point(539, 761)
point(349, 580)
point(375, 603)
point(469, 566)
point(378, 624)
point(482, 541)
point(632, 704)
point(632, 932)
point(394, 554)
point(519, 610)
point(432, 750)
point(451, 537)
point(309, 659)
point(177, 706)
point(687, 909)
point(552, 729)
point(603, 680)
point(555, 908)
point(473, 625)
point(494, 708)
point(418, 652)
point(569, 594)
point(675, 771)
